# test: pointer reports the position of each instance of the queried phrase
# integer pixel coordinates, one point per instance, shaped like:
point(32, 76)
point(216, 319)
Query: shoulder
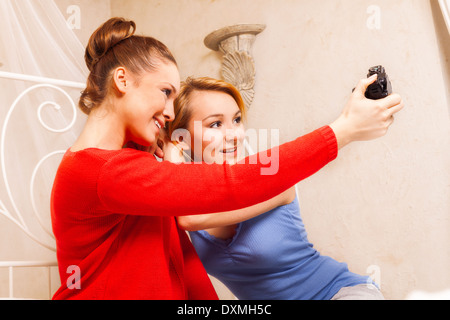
point(92, 161)
point(126, 159)
point(93, 155)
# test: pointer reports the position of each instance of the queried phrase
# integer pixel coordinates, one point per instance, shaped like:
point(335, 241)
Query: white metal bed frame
point(18, 220)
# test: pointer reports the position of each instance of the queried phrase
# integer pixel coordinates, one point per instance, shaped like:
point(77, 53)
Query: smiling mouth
point(230, 150)
point(158, 124)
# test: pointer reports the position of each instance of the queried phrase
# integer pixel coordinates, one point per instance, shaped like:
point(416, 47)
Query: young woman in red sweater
point(113, 208)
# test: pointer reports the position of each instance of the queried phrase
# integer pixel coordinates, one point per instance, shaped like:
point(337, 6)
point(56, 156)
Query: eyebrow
point(173, 89)
point(219, 115)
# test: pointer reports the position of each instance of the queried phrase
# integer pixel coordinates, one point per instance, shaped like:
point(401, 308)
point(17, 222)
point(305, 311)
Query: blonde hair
point(182, 107)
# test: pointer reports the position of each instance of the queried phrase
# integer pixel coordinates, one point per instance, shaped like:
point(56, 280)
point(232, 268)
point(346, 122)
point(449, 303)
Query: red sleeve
point(134, 182)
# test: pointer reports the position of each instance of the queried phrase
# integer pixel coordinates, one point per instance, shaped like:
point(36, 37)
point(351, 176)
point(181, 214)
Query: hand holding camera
point(369, 111)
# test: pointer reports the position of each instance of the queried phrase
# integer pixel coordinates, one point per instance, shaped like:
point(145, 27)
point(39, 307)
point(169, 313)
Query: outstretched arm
point(135, 182)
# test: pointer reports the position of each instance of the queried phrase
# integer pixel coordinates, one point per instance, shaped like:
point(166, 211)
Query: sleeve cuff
point(331, 141)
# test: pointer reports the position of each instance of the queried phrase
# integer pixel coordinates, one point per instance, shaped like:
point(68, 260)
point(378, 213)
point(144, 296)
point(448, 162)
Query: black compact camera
point(381, 88)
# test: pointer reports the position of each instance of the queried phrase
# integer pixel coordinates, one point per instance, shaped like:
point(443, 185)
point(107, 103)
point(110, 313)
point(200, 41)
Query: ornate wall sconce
point(238, 66)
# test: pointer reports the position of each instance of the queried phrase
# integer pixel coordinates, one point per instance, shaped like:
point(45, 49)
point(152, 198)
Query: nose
point(231, 135)
point(169, 113)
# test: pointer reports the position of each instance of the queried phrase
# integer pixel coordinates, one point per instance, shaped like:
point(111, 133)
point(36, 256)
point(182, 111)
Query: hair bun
point(106, 37)
point(112, 45)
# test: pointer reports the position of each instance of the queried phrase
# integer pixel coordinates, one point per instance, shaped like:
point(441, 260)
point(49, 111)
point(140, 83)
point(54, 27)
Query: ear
point(120, 80)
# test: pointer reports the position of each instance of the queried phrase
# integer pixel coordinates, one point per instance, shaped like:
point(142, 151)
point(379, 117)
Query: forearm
point(343, 135)
point(227, 218)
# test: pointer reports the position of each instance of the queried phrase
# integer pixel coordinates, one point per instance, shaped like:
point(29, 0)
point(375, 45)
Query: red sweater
point(113, 215)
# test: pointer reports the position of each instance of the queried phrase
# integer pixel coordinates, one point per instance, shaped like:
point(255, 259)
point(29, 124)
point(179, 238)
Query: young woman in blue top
point(260, 252)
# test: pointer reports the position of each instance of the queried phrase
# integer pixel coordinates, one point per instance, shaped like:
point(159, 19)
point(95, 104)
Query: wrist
point(342, 132)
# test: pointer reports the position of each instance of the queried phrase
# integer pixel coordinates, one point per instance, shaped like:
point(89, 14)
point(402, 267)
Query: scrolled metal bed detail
point(15, 215)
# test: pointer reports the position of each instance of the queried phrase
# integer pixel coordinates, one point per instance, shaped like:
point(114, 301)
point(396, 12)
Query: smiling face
point(148, 102)
point(222, 132)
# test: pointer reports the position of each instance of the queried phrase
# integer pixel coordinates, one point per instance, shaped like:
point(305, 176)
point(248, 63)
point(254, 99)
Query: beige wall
point(92, 15)
point(383, 206)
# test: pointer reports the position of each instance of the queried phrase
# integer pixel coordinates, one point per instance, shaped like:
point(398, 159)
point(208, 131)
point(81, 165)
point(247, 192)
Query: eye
point(167, 92)
point(238, 120)
point(215, 124)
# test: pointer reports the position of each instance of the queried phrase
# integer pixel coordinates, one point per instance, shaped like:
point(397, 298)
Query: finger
point(364, 83)
point(391, 100)
point(160, 143)
point(159, 153)
point(393, 110)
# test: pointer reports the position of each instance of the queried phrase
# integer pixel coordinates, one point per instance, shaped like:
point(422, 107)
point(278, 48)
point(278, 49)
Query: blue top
point(270, 258)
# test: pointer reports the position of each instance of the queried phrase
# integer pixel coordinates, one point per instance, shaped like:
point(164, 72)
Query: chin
point(148, 141)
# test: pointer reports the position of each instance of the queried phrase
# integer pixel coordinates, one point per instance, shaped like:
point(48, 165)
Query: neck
point(103, 130)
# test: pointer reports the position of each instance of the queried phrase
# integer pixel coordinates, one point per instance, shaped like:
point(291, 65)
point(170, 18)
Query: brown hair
point(112, 45)
point(182, 108)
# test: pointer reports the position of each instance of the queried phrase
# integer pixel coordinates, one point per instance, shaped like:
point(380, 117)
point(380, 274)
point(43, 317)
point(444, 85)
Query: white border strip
point(445, 8)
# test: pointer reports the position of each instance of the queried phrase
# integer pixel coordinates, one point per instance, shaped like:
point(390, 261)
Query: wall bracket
point(238, 66)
